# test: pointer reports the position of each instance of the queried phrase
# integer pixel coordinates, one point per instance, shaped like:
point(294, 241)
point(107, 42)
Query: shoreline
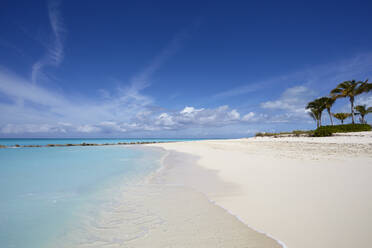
point(160, 177)
point(155, 213)
point(260, 203)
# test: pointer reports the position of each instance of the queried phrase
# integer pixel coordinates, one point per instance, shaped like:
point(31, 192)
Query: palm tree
point(342, 116)
point(328, 101)
point(316, 109)
point(349, 89)
point(363, 111)
point(316, 115)
point(365, 86)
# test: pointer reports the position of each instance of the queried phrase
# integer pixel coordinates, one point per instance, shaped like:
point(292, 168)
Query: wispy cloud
point(141, 80)
point(54, 50)
point(290, 106)
point(28, 107)
point(240, 90)
point(320, 77)
point(292, 100)
point(36, 109)
point(298, 88)
point(31, 103)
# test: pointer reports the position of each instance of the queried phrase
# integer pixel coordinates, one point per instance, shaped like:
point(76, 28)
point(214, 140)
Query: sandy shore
point(305, 192)
point(154, 212)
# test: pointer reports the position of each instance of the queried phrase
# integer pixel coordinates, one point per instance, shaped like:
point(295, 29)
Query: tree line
point(347, 89)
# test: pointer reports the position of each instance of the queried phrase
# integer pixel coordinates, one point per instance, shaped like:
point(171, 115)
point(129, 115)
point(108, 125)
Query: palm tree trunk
point(352, 109)
point(363, 121)
point(330, 115)
point(320, 120)
point(342, 122)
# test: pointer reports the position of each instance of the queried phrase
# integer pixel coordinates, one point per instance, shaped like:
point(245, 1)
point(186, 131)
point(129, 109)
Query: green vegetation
point(316, 108)
point(342, 116)
point(328, 102)
point(366, 87)
point(329, 130)
point(350, 89)
point(322, 132)
point(363, 111)
point(347, 89)
point(295, 133)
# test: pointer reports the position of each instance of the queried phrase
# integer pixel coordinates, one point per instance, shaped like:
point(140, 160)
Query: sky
point(176, 69)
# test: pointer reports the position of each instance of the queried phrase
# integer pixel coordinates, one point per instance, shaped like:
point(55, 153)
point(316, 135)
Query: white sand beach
point(155, 213)
point(305, 192)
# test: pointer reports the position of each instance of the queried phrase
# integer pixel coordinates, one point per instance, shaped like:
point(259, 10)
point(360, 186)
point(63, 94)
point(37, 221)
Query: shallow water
point(109, 196)
point(45, 192)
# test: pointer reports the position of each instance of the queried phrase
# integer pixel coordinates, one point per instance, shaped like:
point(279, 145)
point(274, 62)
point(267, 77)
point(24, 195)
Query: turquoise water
point(13, 142)
point(43, 191)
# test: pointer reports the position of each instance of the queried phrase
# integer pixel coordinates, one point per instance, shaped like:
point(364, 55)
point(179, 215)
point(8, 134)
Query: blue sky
point(175, 69)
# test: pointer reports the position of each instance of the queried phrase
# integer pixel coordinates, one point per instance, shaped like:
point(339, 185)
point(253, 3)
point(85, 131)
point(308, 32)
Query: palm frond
point(336, 90)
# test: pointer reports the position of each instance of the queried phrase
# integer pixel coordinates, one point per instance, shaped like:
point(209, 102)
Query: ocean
point(47, 194)
point(43, 142)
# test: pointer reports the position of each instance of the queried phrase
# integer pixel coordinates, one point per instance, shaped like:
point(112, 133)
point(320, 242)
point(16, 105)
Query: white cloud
point(192, 117)
point(165, 120)
point(111, 126)
point(190, 111)
point(248, 116)
point(293, 100)
point(290, 106)
point(32, 128)
point(47, 111)
point(87, 129)
point(28, 102)
point(28, 107)
point(54, 53)
point(364, 99)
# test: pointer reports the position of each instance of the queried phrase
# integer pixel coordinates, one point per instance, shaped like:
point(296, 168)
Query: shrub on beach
point(322, 132)
point(329, 130)
point(264, 134)
point(296, 133)
point(259, 134)
point(299, 133)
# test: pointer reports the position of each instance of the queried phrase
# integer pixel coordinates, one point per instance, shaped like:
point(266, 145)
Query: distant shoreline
point(86, 144)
